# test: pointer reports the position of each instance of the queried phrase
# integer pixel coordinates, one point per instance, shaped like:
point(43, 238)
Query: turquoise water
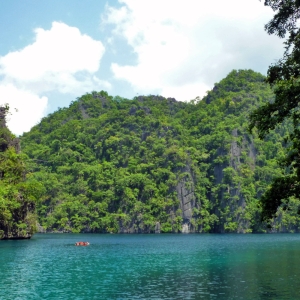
point(190, 266)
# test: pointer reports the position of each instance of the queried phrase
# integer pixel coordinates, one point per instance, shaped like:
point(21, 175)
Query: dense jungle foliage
point(109, 164)
point(283, 77)
point(18, 192)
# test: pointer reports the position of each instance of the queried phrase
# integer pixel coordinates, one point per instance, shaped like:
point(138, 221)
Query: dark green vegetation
point(17, 195)
point(284, 77)
point(154, 164)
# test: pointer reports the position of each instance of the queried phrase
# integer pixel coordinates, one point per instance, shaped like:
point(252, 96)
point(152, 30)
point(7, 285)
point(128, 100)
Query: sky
point(52, 52)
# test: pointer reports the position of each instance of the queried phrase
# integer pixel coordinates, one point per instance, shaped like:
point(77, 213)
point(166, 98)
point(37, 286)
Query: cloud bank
point(178, 49)
point(60, 59)
point(183, 47)
point(26, 108)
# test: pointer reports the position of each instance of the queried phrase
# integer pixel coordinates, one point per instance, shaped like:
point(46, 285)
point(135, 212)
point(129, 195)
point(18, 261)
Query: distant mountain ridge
point(153, 164)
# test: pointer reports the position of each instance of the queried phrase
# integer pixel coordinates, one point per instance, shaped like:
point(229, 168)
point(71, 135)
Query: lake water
point(163, 266)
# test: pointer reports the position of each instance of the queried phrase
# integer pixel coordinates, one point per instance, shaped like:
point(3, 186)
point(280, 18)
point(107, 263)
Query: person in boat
point(82, 243)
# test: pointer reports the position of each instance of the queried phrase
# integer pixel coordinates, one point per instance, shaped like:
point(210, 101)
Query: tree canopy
point(283, 76)
point(110, 164)
point(18, 190)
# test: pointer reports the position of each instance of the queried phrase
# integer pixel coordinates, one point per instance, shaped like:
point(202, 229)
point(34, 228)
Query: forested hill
point(153, 164)
point(18, 192)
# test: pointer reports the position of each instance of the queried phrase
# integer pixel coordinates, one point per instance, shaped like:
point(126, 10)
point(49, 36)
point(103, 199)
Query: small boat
point(82, 243)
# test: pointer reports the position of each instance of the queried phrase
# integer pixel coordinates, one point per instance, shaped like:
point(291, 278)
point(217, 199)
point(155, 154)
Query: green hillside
point(18, 190)
point(153, 164)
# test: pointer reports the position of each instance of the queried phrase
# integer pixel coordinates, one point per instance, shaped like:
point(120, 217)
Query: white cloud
point(60, 59)
point(53, 60)
point(26, 108)
point(183, 47)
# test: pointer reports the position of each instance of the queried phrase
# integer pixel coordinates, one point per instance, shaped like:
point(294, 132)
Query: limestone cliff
point(153, 164)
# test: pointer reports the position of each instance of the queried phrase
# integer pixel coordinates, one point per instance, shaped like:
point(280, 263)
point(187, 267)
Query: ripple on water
point(49, 266)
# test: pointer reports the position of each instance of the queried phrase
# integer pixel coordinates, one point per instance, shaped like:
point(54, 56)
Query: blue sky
point(52, 52)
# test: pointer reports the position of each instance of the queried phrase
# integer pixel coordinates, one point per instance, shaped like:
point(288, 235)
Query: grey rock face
point(185, 228)
point(186, 195)
point(83, 112)
point(157, 227)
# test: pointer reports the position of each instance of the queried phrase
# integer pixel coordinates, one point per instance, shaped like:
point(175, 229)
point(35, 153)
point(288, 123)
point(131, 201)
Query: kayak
point(82, 243)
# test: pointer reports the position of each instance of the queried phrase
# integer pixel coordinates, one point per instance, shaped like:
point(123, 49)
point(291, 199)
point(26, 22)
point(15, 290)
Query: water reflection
point(151, 267)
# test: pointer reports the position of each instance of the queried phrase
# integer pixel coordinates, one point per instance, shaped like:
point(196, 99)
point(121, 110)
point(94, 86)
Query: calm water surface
point(190, 266)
